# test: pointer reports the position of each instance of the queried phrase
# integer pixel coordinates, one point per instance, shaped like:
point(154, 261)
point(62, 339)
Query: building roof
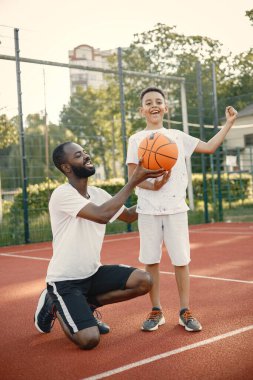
point(247, 111)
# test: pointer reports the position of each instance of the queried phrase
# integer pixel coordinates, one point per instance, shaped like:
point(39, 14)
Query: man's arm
point(211, 146)
point(103, 213)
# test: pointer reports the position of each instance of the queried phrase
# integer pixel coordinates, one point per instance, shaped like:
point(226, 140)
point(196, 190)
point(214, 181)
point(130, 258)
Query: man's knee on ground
point(86, 339)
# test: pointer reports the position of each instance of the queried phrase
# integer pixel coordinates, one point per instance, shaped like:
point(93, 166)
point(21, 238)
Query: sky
point(48, 29)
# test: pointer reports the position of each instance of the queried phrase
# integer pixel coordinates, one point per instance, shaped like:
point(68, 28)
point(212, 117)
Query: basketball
point(158, 151)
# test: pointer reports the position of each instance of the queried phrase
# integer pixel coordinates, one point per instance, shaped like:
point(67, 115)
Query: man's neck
point(81, 185)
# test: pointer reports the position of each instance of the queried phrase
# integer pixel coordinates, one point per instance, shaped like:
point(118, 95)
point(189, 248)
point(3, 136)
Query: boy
point(162, 207)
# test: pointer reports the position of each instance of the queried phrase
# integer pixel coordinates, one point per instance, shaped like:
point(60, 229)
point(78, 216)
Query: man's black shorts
point(72, 298)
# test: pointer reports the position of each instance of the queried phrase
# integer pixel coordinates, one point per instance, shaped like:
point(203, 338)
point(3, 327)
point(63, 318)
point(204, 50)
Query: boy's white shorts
point(172, 230)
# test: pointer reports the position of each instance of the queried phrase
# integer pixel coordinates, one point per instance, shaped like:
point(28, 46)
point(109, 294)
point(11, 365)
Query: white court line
point(51, 248)
point(221, 231)
point(137, 237)
point(169, 353)
point(213, 278)
point(171, 273)
point(24, 257)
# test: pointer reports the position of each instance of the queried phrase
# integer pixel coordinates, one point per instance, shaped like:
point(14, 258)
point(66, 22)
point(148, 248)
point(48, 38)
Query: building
point(87, 55)
point(239, 142)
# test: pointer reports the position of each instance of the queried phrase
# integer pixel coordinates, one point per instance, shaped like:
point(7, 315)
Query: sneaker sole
point(187, 328)
point(161, 322)
point(39, 306)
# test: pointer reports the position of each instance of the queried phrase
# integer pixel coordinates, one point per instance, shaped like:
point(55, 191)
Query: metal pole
point(22, 138)
point(216, 123)
point(123, 121)
point(186, 130)
point(122, 111)
point(90, 68)
point(202, 136)
point(46, 127)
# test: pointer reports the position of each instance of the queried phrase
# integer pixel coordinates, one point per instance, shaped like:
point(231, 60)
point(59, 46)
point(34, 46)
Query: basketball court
point(221, 298)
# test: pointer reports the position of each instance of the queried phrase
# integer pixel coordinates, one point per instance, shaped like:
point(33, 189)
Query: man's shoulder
point(62, 188)
point(97, 191)
point(60, 191)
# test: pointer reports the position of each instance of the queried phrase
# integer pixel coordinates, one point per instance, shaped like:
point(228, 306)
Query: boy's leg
point(176, 239)
point(151, 240)
point(183, 285)
point(154, 271)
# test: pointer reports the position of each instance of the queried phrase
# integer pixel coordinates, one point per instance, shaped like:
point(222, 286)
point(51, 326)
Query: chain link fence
point(102, 117)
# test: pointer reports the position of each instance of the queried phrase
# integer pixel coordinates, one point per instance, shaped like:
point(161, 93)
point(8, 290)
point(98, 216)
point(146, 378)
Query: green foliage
point(93, 117)
point(38, 196)
point(233, 186)
point(249, 14)
point(8, 132)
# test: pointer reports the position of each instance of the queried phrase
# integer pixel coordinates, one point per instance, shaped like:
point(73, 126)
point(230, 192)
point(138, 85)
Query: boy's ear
point(141, 111)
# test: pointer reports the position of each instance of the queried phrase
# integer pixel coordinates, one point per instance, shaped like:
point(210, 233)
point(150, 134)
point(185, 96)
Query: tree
point(8, 132)
point(9, 152)
point(249, 14)
point(92, 117)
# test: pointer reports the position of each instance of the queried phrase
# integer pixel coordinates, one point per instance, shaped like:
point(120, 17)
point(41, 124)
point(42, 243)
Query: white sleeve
point(69, 201)
point(132, 152)
point(189, 143)
point(108, 196)
point(115, 216)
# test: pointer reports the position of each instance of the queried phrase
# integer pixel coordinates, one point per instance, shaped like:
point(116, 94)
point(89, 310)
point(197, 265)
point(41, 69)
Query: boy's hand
point(231, 114)
point(140, 174)
point(160, 182)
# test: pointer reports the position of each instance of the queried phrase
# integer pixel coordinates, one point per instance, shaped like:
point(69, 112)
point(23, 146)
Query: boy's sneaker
point(187, 320)
point(44, 316)
point(103, 327)
point(154, 319)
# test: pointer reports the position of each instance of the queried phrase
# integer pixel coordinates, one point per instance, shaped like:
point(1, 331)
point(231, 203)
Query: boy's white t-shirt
point(77, 242)
point(170, 199)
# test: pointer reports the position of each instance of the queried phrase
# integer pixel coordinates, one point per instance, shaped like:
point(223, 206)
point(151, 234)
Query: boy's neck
point(152, 127)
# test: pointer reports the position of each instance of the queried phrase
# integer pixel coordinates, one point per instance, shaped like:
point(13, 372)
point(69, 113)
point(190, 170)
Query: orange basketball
point(158, 151)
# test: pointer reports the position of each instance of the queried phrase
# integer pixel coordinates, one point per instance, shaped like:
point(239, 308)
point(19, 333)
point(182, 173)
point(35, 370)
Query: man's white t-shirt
point(77, 242)
point(170, 199)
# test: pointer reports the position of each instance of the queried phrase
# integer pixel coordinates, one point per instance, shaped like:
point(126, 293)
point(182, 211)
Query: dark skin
point(139, 282)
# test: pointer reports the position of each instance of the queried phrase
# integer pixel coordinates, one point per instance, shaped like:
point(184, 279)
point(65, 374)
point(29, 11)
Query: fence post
point(216, 123)
point(123, 122)
point(186, 130)
point(22, 138)
point(202, 136)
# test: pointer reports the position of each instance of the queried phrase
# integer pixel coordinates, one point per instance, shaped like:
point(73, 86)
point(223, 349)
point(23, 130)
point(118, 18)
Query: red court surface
point(221, 298)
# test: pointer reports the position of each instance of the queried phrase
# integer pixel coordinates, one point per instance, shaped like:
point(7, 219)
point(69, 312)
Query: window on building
point(248, 139)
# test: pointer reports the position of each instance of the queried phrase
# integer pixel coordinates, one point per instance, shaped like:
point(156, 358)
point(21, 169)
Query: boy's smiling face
point(153, 108)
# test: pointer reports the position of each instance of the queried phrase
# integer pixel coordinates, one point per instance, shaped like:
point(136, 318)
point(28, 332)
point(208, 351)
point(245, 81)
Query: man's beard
point(82, 172)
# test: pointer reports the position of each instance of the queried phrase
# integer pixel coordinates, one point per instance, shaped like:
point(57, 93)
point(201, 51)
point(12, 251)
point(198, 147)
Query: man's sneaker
point(154, 319)
point(44, 316)
point(103, 327)
point(187, 320)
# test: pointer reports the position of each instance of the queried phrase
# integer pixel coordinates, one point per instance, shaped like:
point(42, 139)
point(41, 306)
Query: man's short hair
point(151, 89)
point(59, 156)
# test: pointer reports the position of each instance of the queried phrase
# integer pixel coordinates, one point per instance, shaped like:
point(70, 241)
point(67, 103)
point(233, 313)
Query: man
point(77, 282)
